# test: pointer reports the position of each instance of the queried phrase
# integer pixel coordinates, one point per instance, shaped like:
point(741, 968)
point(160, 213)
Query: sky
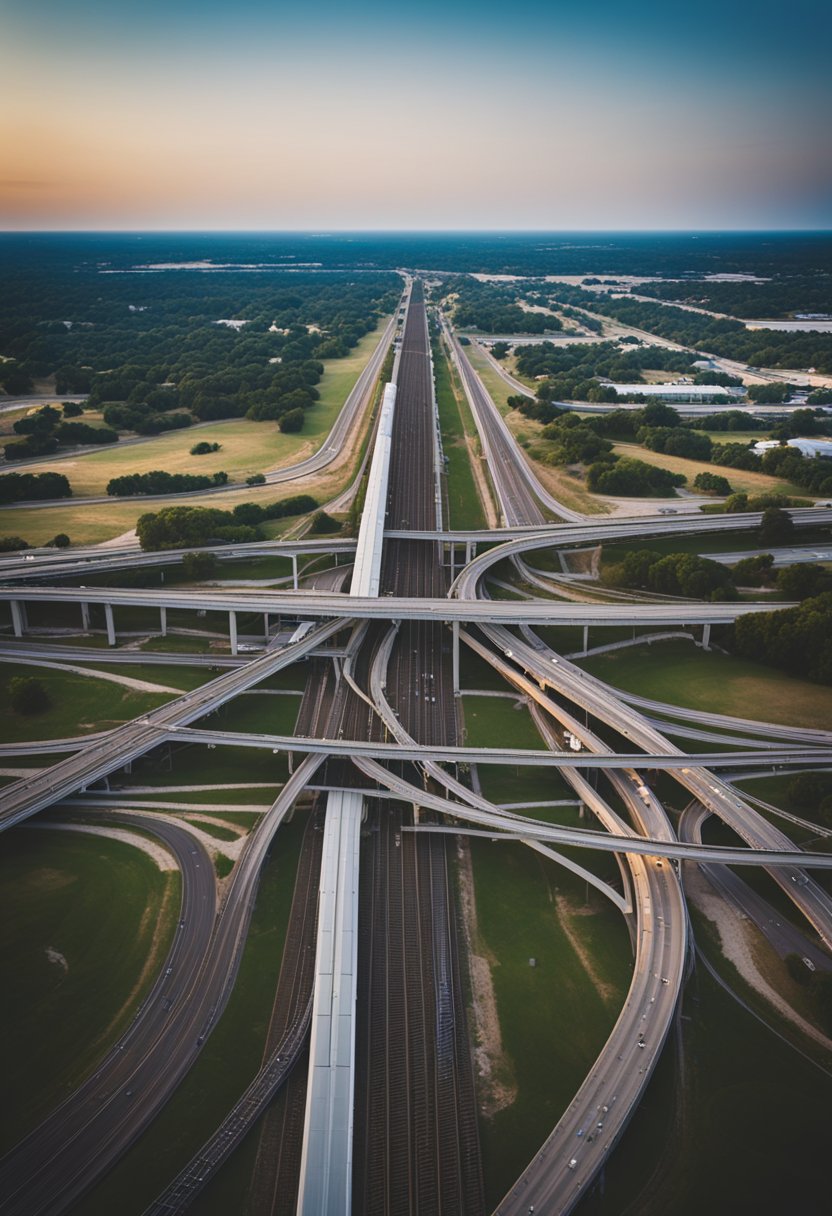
point(441, 114)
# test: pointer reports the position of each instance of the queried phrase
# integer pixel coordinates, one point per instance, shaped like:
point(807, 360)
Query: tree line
point(183, 527)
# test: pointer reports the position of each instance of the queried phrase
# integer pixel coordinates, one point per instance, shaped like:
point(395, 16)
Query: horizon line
point(335, 231)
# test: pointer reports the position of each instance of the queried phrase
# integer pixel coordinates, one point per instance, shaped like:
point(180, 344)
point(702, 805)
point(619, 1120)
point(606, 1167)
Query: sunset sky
point(170, 114)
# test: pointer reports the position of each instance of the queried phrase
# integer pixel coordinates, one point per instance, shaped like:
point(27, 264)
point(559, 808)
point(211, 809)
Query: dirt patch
point(50, 880)
point(496, 1084)
point(739, 941)
point(582, 561)
point(567, 913)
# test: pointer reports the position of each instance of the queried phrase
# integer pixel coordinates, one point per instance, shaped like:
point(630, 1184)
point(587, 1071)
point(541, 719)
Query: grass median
point(77, 976)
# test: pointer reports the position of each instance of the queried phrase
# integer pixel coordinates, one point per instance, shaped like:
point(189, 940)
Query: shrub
point(322, 524)
point(712, 483)
point(11, 544)
point(28, 696)
point(291, 422)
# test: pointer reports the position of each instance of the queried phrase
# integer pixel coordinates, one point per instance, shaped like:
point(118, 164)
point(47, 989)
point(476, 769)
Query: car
point(665, 980)
point(642, 1043)
point(573, 1163)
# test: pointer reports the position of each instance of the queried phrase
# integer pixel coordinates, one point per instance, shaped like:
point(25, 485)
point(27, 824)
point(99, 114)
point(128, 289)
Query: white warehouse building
point(808, 447)
point(677, 391)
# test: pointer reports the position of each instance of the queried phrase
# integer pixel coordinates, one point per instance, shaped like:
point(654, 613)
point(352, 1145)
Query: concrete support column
point(111, 628)
point(266, 626)
point(455, 631)
point(706, 637)
point(469, 550)
point(232, 631)
point(163, 621)
point(19, 617)
point(452, 548)
point(85, 617)
point(295, 571)
point(586, 638)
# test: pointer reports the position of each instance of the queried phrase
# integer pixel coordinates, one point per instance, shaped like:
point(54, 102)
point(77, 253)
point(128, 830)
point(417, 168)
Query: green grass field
point(746, 1136)
point(230, 1058)
point(553, 1017)
point(680, 673)
point(496, 722)
point(80, 704)
point(56, 1022)
point(512, 783)
point(464, 502)
point(195, 764)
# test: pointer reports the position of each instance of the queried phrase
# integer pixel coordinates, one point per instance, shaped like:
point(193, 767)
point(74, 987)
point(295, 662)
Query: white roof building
point(808, 447)
point(677, 391)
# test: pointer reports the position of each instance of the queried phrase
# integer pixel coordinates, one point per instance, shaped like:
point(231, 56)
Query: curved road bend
point(45, 1176)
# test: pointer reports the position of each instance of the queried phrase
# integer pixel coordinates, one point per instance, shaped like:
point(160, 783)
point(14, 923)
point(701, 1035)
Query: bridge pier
point(295, 571)
point(111, 628)
point(19, 620)
point(266, 630)
point(163, 621)
point(232, 631)
point(85, 617)
point(455, 633)
point(452, 548)
point(586, 638)
point(706, 637)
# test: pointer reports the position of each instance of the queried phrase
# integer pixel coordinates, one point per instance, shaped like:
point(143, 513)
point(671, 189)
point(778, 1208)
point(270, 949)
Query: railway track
point(416, 1142)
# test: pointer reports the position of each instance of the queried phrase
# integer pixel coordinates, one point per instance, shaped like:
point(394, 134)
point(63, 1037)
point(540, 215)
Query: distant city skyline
point(544, 116)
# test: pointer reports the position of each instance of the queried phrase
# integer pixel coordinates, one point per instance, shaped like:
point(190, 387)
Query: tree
point(256, 479)
point(322, 524)
point(769, 394)
point(292, 421)
point(803, 580)
point(712, 483)
point(61, 541)
point(199, 565)
point(754, 571)
point(28, 696)
point(776, 528)
point(73, 409)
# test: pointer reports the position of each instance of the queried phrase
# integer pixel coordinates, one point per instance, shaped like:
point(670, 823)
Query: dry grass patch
point(751, 483)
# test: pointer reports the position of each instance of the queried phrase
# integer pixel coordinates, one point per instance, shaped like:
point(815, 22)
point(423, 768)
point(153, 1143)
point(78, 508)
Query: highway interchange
point(49, 1170)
